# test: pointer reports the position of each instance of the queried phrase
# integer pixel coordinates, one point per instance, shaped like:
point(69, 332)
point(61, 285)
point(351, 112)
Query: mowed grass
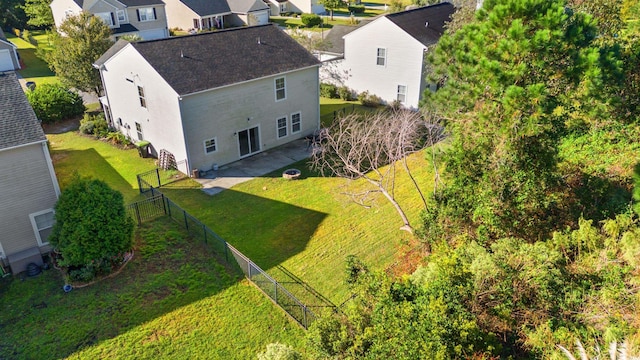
point(74, 153)
point(33, 68)
point(309, 225)
point(172, 300)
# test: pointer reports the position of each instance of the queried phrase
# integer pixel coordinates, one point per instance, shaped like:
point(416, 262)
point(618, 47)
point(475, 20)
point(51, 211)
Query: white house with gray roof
point(9, 59)
point(28, 185)
point(145, 18)
point(387, 56)
point(198, 15)
point(214, 97)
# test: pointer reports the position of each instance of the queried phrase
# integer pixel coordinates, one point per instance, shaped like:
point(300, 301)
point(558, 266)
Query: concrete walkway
point(215, 181)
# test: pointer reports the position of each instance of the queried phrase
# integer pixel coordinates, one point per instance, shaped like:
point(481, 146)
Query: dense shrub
point(328, 91)
point(369, 100)
point(94, 125)
point(118, 138)
point(356, 9)
point(311, 20)
point(54, 102)
point(345, 93)
point(92, 229)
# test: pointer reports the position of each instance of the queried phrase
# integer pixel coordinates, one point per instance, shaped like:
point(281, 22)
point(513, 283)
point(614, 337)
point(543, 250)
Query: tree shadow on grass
point(170, 270)
point(33, 66)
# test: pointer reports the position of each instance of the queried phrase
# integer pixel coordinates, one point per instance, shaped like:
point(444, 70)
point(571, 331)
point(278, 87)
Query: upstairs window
point(281, 91)
point(107, 17)
point(381, 57)
point(146, 14)
point(143, 101)
point(122, 17)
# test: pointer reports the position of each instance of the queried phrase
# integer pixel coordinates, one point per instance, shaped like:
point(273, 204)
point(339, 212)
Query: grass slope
point(33, 68)
point(173, 300)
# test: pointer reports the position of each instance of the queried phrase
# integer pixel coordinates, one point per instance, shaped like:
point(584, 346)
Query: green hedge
point(54, 102)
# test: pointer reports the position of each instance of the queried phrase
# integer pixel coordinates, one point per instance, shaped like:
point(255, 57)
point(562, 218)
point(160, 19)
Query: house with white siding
point(9, 59)
point(28, 185)
point(387, 56)
point(253, 89)
point(198, 15)
point(296, 6)
point(145, 18)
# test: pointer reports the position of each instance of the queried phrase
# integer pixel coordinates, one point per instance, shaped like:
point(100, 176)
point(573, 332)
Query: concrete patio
point(215, 181)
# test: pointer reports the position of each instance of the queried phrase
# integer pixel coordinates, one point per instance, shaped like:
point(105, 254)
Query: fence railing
point(157, 205)
point(156, 178)
point(333, 115)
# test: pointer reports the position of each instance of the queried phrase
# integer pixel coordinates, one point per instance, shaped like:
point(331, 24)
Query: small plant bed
point(111, 269)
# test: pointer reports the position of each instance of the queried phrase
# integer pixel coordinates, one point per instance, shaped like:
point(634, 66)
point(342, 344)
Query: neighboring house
point(28, 185)
point(296, 6)
point(215, 97)
point(248, 12)
point(145, 18)
point(386, 56)
point(9, 59)
point(197, 14)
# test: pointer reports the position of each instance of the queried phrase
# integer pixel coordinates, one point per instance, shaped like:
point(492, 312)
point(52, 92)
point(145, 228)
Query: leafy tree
point(54, 102)
point(39, 13)
point(85, 39)
point(12, 14)
point(92, 227)
point(513, 79)
point(332, 5)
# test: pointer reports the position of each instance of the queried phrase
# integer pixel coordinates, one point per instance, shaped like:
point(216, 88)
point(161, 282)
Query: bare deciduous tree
point(369, 147)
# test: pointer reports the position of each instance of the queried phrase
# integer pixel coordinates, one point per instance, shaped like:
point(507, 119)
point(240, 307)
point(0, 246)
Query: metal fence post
point(304, 316)
point(186, 224)
point(226, 251)
point(138, 214)
point(168, 207)
point(204, 230)
point(158, 176)
point(275, 287)
point(139, 184)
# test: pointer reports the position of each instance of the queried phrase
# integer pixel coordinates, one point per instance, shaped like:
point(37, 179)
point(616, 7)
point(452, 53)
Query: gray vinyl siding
point(222, 112)
point(26, 187)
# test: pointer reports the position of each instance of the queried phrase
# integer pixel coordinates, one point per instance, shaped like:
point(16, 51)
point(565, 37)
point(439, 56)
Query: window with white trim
point(281, 89)
point(143, 101)
point(402, 93)
point(146, 14)
point(210, 146)
point(295, 122)
point(139, 131)
point(122, 17)
point(107, 17)
point(42, 223)
point(381, 58)
point(281, 123)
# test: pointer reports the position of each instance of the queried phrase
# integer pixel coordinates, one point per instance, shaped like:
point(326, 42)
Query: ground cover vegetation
point(172, 300)
point(533, 237)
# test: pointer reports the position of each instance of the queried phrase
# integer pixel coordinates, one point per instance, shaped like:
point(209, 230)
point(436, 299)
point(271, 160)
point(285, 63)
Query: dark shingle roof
point(141, 2)
point(18, 122)
point(334, 38)
point(124, 28)
point(414, 21)
point(231, 56)
point(2, 36)
point(207, 7)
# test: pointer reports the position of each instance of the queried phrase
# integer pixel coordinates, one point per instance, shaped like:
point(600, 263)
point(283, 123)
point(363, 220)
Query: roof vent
point(426, 24)
point(181, 54)
point(259, 41)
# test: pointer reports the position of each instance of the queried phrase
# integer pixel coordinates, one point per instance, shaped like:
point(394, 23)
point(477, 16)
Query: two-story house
point(387, 56)
point(28, 185)
point(215, 97)
point(145, 18)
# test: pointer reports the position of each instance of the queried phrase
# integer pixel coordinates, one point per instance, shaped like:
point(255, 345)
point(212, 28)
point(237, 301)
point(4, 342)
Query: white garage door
point(261, 17)
point(5, 60)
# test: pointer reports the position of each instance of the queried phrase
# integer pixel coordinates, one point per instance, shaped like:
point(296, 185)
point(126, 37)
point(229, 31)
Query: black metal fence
point(157, 205)
point(157, 177)
point(327, 119)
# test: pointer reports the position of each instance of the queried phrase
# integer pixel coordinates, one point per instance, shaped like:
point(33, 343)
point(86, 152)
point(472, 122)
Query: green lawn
point(34, 68)
point(73, 153)
point(296, 22)
point(173, 300)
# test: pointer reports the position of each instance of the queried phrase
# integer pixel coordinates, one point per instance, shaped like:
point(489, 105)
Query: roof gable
point(425, 24)
point(205, 61)
point(18, 122)
point(207, 7)
point(246, 6)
